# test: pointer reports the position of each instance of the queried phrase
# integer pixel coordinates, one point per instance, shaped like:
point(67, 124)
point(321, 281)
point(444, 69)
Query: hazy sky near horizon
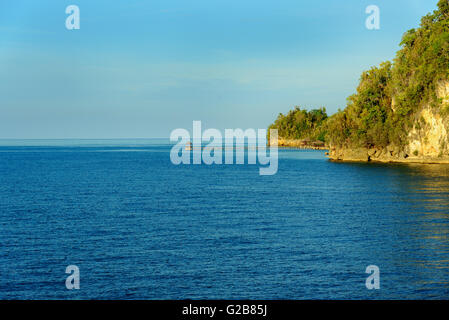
point(139, 69)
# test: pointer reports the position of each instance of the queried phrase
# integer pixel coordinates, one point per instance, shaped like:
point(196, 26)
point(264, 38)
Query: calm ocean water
point(139, 227)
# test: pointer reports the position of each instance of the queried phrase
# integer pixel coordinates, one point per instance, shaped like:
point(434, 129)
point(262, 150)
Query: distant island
point(400, 111)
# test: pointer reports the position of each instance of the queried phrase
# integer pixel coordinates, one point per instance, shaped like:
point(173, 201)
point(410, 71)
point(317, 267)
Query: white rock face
point(443, 92)
point(429, 136)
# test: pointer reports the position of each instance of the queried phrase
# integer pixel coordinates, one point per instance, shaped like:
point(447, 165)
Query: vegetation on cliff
point(368, 119)
point(389, 96)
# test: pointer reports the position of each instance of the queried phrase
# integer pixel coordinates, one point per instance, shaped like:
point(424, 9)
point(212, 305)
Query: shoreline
point(382, 156)
point(305, 144)
point(304, 148)
point(395, 161)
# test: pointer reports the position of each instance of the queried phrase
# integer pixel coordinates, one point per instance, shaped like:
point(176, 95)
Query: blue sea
point(139, 227)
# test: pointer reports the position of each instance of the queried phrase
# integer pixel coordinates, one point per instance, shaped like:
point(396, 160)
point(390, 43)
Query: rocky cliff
point(428, 140)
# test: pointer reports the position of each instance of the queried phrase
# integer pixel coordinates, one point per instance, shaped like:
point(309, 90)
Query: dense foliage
point(388, 97)
point(301, 124)
point(367, 120)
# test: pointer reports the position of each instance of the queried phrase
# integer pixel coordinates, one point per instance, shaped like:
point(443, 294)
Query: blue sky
point(139, 69)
